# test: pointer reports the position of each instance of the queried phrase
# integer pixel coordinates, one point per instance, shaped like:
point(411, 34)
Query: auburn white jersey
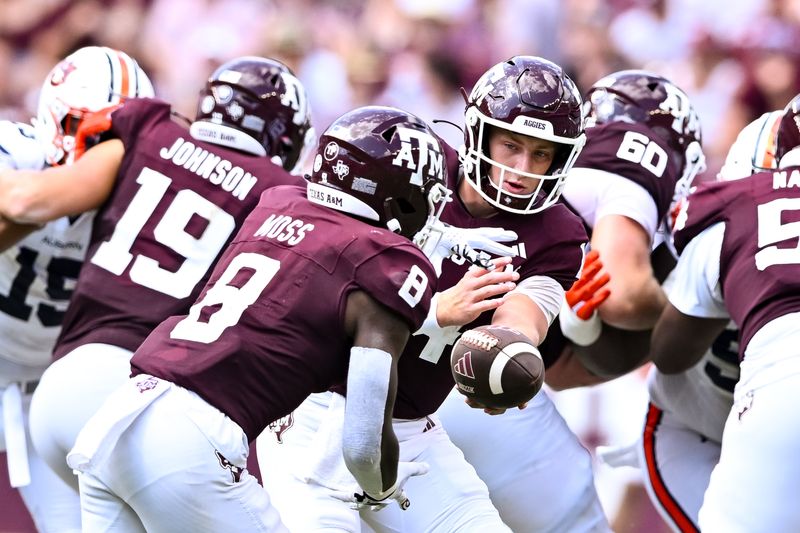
point(19, 147)
point(701, 397)
point(37, 274)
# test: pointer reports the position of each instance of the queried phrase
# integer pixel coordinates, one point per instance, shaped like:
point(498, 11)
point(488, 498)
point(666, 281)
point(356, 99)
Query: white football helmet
point(88, 80)
point(754, 148)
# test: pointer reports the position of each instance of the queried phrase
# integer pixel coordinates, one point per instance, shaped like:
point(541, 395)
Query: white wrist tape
point(367, 388)
point(430, 326)
point(581, 332)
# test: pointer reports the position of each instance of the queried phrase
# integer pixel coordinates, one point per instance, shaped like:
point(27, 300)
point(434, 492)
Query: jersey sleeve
point(130, 118)
point(19, 148)
point(596, 193)
point(694, 287)
point(701, 209)
point(402, 279)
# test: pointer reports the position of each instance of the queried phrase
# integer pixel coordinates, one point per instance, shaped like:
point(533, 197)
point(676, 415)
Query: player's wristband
point(581, 332)
point(430, 326)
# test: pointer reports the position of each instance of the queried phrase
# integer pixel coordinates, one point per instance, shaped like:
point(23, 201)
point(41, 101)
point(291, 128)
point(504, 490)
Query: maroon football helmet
point(641, 97)
point(530, 96)
point(382, 165)
point(258, 106)
point(788, 136)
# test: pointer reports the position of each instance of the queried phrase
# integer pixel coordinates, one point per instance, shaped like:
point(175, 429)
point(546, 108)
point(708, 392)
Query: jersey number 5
point(771, 231)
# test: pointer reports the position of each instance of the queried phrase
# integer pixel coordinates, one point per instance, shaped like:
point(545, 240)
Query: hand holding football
point(497, 366)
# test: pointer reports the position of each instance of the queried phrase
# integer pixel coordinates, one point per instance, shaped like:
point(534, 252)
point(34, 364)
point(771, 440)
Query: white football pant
point(179, 464)
point(756, 483)
point(301, 463)
point(71, 390)
point(52, 504)
point(538, 473)
point(676, 463)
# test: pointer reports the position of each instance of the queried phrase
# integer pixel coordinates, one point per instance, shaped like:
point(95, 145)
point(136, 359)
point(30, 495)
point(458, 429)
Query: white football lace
point(479, 339)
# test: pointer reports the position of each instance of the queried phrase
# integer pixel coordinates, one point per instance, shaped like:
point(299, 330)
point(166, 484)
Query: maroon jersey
point(176, 203)
point(635, 152)
point(549, 245)
point(759, 265)
point(267, 329)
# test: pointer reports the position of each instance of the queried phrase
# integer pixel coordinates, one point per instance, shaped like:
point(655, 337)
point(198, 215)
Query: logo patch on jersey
point(463, 366)
point(744, 404)
point(280, 426)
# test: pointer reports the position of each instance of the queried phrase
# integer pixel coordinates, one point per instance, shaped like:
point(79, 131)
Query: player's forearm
point(370, 448)
point(22, 198)
point(615, 353)
point(634, 304)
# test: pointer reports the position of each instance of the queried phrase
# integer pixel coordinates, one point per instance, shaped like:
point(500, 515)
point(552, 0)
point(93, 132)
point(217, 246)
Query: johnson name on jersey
point(176, 204)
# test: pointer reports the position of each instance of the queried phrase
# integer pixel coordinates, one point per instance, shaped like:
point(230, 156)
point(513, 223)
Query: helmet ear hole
point(389, 133)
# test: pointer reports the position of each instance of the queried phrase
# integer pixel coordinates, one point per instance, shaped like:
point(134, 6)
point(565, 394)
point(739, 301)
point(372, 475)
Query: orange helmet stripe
point(126, 77)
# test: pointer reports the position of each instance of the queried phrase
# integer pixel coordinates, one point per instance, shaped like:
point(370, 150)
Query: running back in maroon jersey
point(634, 152)
point(176, 203)
point(760, 257)
point(269, 324)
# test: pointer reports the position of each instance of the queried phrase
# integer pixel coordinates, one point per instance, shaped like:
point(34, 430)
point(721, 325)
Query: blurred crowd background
point(735, 58)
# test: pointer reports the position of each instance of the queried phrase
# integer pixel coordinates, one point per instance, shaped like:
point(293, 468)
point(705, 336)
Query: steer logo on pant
point(236, 472)
point(281, 425)
point(147, 384)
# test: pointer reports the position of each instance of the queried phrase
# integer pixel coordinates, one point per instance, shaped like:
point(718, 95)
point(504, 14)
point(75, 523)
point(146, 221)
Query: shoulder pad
point(19, 148)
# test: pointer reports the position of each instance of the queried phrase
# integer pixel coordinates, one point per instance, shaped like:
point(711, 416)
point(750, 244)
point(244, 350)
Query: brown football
point(497, 366)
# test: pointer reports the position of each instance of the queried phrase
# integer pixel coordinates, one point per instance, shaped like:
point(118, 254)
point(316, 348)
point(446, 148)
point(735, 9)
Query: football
point(496, 366)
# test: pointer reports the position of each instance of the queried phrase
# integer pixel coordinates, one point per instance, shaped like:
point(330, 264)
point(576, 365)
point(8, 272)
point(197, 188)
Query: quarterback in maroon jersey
point(169, 196)
point(320, 285)
point(524, 131)
point(642, 141)
point(739, 260)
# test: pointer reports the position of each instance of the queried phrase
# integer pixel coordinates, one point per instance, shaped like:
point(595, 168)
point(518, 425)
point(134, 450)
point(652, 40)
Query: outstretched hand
point(442, 241)
point(586, 294)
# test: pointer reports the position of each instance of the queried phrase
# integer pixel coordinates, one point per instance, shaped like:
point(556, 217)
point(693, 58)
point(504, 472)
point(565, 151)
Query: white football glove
point(405, 470)
point(443, 241)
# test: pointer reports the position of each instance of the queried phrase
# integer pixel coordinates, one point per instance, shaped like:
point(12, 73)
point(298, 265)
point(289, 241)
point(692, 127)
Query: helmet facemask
point(478, 163)
point(527, 96)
